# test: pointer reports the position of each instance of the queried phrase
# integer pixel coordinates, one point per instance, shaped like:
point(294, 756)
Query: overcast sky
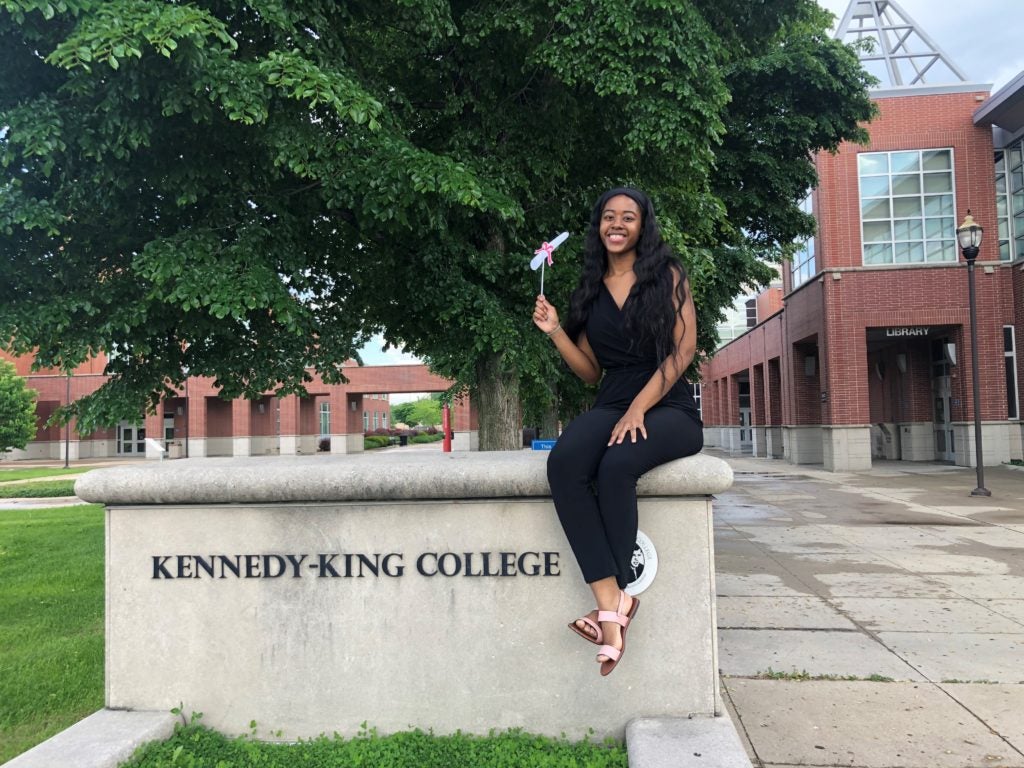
point(984, 38)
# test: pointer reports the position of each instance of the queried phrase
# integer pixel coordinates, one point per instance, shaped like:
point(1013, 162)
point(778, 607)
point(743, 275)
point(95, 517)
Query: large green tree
point(243, 190)
point(17, 410)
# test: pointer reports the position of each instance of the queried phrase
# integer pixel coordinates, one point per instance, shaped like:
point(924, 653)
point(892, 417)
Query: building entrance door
point(944, 445)
point(131, 439)
point(746, 433)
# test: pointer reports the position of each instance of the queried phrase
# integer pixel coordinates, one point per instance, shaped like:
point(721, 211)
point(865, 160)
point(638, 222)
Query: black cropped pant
point(593, 485)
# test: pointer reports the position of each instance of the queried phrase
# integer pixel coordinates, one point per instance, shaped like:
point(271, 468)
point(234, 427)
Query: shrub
point(375, 441)
point(428, 438)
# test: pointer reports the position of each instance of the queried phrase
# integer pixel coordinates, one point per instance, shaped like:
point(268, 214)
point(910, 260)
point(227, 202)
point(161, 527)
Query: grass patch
point(51, 622)
point(11, 475)
point(193, 745)
point(771, 674)
point(43, 489)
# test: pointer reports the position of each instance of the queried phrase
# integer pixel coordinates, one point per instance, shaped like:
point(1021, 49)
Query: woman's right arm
point(578, 356)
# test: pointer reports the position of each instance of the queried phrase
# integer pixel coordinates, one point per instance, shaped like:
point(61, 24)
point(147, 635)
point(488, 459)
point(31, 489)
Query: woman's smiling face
point(620, 225)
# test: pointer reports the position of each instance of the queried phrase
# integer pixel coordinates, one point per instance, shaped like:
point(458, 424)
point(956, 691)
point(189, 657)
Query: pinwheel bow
point(543, 254)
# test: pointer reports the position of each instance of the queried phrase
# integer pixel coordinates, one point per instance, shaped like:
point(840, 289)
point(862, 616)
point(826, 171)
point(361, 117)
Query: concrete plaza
point(872, 619)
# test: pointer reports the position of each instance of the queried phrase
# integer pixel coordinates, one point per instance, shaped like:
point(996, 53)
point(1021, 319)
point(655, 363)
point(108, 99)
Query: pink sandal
point(598, 637)
point(623, 620)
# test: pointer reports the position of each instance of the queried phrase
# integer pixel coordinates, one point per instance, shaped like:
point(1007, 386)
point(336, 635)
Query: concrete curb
point(102, 740)
point(695, 742)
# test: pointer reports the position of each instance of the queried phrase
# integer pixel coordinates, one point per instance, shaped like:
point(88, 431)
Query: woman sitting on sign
point(631, 318)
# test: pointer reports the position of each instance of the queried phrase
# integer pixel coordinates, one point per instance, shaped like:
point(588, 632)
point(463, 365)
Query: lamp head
point(969, 235)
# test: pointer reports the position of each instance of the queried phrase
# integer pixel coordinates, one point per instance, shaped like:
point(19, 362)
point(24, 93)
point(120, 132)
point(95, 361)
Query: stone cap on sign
point(390, 476)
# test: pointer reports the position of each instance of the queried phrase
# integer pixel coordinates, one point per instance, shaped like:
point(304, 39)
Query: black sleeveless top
point(627, 365)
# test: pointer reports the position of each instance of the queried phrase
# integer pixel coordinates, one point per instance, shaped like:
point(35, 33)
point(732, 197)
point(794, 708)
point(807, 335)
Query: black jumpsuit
point(593, 485)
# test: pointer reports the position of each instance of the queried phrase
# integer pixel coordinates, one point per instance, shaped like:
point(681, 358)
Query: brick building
point(867, 355)
point(198, 423)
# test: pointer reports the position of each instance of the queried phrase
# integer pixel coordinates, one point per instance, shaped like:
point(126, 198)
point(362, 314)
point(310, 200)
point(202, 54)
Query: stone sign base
point(441, 613)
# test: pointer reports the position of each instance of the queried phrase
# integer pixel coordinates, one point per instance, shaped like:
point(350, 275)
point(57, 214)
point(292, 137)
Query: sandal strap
point(616, 618)
point(610, 651)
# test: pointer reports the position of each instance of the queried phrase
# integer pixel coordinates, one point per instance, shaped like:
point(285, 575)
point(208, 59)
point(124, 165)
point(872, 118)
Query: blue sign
point(543, 445)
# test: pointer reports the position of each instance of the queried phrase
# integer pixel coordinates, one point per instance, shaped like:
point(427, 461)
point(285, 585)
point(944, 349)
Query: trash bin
point(403, 439)
point(175, 449)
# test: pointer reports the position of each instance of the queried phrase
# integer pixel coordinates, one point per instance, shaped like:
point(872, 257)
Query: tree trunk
point(549, 423)
point(497, 404)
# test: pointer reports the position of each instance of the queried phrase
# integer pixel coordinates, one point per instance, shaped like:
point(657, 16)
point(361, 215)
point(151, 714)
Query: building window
point(366, 421)
point(695, 391)
point(325, 419)
point(1010, 361)
point(906, 206)
point(376, 422)
point(803, 264)
point(384, 420)
point(751, 313)
point(1010, 200)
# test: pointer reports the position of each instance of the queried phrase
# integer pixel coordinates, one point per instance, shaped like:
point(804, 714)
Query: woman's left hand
point(632, 421)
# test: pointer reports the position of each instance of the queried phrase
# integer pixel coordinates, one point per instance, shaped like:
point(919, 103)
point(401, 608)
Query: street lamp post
point(969, 235)
point(67, 427)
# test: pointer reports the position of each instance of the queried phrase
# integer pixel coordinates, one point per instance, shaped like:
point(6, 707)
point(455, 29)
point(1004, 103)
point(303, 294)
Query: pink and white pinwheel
point(543, 255)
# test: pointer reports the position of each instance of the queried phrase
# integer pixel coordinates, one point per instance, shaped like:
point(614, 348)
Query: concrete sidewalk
point(872, 619)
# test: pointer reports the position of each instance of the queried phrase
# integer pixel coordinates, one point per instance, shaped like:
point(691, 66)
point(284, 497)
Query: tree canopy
point(17, 410)
point(244, 190)
point(425, 411)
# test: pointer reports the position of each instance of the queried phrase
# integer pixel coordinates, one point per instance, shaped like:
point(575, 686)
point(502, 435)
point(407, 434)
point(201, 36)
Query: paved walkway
point(872, 619)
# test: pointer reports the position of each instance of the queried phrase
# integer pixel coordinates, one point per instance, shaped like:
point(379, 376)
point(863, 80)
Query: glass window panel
point(936, 160)
point(941, 251)
point(1020, 248)
point(939, 229)
point(938, 182)
point(874, 186)
point(877, 231)
point(1014, 156)
point(1004, 251)
point(875, 162)
point(905, 161)
point(909, 252)
point(938, 205)
point(908, 184)
point(1018, 202)
point(1007, 338)
point(1001, 183)
point(1016, 180)
point(878, 254)
point(874, 209)
point(1000, 163)
point(904, 207)
point(907, 229)
point(1004, 229)
point(1002, 206)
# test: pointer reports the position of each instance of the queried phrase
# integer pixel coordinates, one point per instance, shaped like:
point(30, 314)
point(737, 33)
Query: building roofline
point(1005, 107)
point(928, 90)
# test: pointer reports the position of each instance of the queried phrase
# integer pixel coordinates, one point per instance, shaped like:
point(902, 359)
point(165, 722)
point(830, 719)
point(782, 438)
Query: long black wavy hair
point(653, 305)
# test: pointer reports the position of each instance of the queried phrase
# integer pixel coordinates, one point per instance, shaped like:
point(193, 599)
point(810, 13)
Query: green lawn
point(51, 622)
point(196, 746)
point(40, 489)
point(10, 475)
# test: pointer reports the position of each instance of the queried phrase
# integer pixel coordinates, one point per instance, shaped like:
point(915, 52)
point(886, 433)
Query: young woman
point(632, 319)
